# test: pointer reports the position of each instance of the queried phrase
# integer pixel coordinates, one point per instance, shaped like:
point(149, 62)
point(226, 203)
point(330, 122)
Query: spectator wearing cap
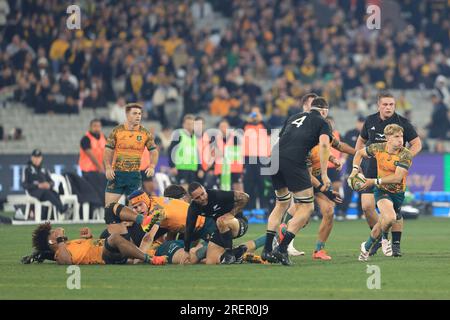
point(440, 122)
point(350, 138)
point(37, 182)
point(442, 90)
point(92, 148)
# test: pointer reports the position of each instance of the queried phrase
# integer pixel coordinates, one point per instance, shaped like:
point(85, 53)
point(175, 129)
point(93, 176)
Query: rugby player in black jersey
point(300, 133)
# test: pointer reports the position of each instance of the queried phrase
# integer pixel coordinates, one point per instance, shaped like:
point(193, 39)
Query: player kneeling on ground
point(86, 250)
point(393, 162)
point(225, 207)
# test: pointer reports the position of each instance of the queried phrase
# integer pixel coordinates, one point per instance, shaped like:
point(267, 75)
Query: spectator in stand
point(440, 122)
point(117, 113)
point(57, 51)
point(276, 120)
point(201, 9)
point(94, 101)
point(442, 90)
point(222, 103)
point(165, 96)
point(4, 12)
point(134, 84)
point(439, 147)
point(284, 103)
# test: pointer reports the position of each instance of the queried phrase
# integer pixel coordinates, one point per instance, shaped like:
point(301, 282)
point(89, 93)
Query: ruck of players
point(191, 222)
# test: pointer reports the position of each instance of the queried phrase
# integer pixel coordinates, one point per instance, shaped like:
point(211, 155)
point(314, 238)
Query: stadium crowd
point(272, 53)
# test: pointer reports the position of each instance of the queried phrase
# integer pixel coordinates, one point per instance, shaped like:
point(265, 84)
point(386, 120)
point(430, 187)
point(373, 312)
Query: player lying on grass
point(393, 162)
point(204, 253)
point(86, 250)
point(160, 215)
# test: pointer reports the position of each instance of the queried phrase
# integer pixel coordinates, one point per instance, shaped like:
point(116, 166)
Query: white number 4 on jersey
point(299, 121)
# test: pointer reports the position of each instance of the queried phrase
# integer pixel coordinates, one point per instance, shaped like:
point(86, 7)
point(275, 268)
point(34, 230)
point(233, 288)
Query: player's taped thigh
point(284, 198)
point(303, 199)
point(201, 252)
point(111, 216)
point(217, 239)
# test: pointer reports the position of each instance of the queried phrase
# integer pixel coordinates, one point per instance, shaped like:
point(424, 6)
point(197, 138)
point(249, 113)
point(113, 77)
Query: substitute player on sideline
point(393, 162)
point(373, 132)
point(299, 135)
point(125, 146)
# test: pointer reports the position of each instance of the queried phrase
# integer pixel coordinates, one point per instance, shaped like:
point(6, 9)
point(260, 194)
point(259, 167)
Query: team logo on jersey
point(216, 207)
point(373, 128)
point(139, 138)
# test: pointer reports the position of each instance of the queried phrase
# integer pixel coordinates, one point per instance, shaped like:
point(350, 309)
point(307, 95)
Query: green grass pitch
point(422, 273)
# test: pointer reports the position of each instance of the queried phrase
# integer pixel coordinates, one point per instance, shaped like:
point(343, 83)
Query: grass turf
point(422, 273)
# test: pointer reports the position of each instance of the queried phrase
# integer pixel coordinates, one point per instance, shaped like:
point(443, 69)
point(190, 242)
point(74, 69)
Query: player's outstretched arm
point(148, 238)
point(359, 155)
point(345, 148)
point(360, 143)
point(62, 255)
point(324, 154)
point(415, 146)
point(397, 177)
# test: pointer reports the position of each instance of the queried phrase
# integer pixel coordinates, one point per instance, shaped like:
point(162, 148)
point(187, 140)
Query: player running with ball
point(393, 162)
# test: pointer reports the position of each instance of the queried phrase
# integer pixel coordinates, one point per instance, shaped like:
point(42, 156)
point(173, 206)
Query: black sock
point(269, 239)
point(396, 236)
point(288, 237)
point(239, 251)
point(227, 239)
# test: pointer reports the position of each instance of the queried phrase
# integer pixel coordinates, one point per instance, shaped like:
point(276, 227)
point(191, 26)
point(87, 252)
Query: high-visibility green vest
point(232, 154)
point(186, 156)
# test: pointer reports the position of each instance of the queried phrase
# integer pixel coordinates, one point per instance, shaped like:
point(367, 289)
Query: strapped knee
point(113, 216)
point(287, 197)
point(217, 239)
point(303, 200)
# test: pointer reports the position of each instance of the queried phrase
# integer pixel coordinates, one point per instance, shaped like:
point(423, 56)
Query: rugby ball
point(357, 182)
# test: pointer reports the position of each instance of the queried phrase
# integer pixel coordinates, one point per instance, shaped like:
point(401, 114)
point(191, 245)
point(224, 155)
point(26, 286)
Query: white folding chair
point(28, 201)
point(163, 181)
point(67, 197)
point(76, 209)
point(85, 206)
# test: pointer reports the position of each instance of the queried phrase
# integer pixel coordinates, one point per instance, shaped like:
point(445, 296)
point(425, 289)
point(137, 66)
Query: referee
point(372, 132)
